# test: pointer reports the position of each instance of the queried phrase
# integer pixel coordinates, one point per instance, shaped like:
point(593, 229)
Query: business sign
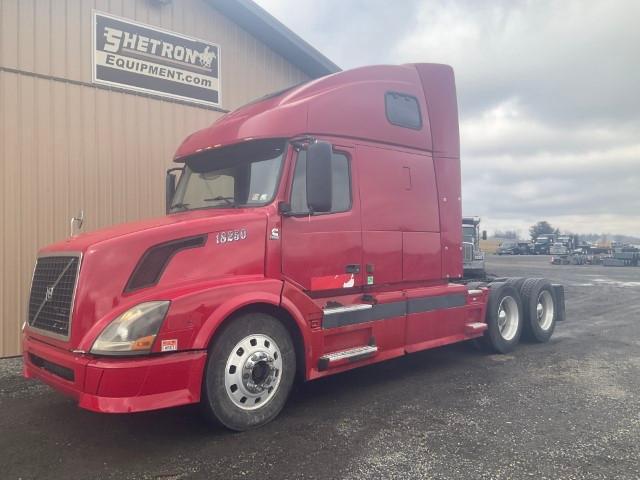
point(140, 57)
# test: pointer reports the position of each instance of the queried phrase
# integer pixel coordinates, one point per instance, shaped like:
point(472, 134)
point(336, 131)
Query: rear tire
point(515, 282)
point(504, 318)
point(540, 309)
point(250, 370)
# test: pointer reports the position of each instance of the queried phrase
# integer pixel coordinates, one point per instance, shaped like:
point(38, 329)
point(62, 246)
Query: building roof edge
point(276, 35)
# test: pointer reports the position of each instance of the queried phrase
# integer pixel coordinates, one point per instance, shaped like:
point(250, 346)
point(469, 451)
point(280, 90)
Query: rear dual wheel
point(519, 306)
point(504, 318)
point(540, 311)
point(516, 282)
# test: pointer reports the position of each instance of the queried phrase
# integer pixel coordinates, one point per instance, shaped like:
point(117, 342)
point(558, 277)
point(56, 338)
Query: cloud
point(547, 91)
point(566, 61)
point(517, 169)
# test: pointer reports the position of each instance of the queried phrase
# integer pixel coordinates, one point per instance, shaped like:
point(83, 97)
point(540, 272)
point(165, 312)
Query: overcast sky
point(548, 95)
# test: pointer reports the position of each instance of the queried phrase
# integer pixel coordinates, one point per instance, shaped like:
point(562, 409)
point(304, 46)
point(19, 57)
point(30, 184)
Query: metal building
point(95, 96)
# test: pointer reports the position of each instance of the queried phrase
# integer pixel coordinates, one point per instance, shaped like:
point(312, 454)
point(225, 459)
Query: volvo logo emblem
point(49, 293)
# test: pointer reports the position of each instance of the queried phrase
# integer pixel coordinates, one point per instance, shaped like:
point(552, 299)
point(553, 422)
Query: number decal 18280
point(231, 235)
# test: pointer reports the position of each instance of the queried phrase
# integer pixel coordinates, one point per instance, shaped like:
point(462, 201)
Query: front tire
point(250, 370)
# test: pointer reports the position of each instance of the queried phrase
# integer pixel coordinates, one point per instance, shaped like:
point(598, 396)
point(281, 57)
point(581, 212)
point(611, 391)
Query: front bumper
point(117, 385)
point(474, 265)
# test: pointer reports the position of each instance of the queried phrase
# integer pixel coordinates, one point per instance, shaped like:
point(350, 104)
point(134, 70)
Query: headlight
point(133, 332)
point(478, 256)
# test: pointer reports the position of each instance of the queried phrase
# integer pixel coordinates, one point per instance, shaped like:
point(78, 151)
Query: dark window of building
point(403, 110)
point(341, 184)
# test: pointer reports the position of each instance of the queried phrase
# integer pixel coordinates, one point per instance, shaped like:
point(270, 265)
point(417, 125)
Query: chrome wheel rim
point(545, 310)
point(253, 372)
point(508, 318)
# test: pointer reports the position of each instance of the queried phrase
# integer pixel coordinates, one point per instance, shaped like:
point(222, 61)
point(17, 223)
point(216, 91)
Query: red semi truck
point(312, 231)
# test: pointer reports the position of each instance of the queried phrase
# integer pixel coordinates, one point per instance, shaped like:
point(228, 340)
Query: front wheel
point(250, 371)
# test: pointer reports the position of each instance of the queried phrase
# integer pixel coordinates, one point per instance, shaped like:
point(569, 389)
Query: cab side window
point(340, 178)
point(403, 110)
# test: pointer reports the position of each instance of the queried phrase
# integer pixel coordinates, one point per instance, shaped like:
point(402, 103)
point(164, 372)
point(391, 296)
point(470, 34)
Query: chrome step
point(474, 328)
point(350, 355)
point(348, 308)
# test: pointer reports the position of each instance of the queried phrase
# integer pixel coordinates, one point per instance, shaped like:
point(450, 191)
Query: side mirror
point(170, 187)
point(319, 177)
point(484, 234)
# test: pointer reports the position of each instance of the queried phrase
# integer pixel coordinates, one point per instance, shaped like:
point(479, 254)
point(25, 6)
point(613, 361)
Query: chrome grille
point(52, 291)
point(468, 252)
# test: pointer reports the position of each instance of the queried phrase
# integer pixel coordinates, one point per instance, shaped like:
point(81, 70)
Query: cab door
point(322, 252)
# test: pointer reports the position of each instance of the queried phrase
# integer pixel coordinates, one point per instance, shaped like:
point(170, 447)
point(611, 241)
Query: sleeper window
point(403, 110)
point(340, 178)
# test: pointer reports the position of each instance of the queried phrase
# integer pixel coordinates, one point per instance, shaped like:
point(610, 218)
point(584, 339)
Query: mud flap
point(558, 293)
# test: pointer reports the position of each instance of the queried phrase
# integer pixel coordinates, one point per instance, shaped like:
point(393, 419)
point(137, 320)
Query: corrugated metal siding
point(53, 37)
point(66, 147)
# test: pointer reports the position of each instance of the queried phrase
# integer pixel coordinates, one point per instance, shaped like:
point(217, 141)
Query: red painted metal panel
point(421, 259)
point(390, 333)
point(352, 104)
point(383, 250)
point(348, 104)
point(342, 339)
point(429, 326)
point(310, 254)
point(439, 88)
point(450, 206)
point(389, 201)
point(121, 385)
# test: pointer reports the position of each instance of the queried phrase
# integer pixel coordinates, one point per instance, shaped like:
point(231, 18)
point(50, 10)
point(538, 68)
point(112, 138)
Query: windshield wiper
point(228, 200)
point(183, 206)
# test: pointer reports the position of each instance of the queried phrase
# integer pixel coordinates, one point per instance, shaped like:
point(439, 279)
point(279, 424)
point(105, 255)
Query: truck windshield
point(240, 175)
point(469, 234)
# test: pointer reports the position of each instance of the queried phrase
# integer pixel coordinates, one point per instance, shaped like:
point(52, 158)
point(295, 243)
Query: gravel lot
point(567, 409)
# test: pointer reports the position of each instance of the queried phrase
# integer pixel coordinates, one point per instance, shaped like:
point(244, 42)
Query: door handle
point(407, 178)
point(352, 268)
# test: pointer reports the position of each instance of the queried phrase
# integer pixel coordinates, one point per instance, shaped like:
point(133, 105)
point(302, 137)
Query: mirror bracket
point(284, 209)
point(302, 143)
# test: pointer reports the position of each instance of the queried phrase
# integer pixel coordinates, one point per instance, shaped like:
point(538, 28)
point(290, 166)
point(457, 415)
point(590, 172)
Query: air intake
point(150, 267)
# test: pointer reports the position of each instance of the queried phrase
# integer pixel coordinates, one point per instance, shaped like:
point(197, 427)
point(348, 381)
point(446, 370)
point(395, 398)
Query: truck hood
point(81, 242)
point(111, 255)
